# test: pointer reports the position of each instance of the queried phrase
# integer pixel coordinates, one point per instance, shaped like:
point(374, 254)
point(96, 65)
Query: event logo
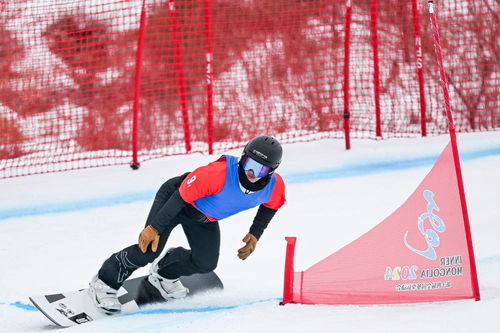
point(430, 234)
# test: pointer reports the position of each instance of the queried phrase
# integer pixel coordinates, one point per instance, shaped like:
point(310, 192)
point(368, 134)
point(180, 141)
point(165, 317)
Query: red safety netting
point(90, 83)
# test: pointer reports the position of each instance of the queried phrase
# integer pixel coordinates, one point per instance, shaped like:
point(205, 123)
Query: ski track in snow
point(297, 178)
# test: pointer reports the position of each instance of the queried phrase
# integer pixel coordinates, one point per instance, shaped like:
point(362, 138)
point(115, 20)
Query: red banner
point(418, 254)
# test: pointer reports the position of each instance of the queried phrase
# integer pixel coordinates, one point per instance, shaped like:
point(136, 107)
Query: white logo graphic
point(430, 235)
point(125, 266)
point(258, 153)
point(192, 179)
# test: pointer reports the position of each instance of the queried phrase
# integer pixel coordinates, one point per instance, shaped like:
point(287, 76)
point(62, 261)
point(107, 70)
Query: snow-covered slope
point(56, 229)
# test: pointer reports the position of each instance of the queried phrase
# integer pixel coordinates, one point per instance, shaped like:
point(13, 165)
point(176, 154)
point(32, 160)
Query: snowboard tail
point(76, 307)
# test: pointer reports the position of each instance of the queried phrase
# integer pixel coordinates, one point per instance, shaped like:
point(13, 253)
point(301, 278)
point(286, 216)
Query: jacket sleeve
point(267, 210)
point(262, 218)
point(203, 181)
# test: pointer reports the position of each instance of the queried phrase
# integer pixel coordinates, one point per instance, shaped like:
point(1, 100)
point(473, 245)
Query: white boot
point(168, 288)
point(105, 298)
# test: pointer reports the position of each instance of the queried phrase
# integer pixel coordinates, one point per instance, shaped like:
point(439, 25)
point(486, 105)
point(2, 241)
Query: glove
point(247, 250)
point(148, 235)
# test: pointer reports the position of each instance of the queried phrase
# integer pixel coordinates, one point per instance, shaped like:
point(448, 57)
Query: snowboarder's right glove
point(148, 235)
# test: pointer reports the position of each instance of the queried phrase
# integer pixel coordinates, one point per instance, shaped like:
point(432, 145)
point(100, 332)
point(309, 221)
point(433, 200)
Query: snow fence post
point(289, 273)
point(137, 89)
point(347, 63)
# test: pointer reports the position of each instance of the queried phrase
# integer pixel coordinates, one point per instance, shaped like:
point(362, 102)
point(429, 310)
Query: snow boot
point(104, 297)
point(168, 288)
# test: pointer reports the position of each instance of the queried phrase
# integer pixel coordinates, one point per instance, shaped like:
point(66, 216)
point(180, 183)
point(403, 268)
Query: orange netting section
point(91, 83)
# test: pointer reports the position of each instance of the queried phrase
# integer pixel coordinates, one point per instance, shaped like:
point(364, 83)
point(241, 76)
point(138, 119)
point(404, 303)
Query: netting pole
point(209, 73)
point(347, 53)
point(420, 67)
point(180, 76)
point(454, 145)
point(289, 272)
point(376, 65)
point(137, 89)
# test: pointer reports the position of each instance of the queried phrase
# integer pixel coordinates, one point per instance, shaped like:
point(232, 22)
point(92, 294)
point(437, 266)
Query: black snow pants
point(203, 238)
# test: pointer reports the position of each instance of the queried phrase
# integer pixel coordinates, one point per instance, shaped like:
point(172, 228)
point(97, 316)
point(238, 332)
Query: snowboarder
point(197, 201)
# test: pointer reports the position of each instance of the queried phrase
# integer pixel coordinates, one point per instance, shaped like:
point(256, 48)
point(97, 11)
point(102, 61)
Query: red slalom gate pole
point(289, 272)
point(376, 65)
point(209, 74)
point(180, 76)
point(347, 53)
point(454, 145)
point(420, 67)
point(137, 89)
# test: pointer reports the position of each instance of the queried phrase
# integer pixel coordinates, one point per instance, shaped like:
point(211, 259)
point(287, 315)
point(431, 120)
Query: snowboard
point(76, 307)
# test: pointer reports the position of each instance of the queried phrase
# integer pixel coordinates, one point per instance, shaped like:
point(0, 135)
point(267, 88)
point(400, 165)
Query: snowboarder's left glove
point(247, 250)
point(148, 235)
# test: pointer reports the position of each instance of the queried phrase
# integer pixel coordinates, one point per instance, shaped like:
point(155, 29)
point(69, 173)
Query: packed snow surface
point(57, 229)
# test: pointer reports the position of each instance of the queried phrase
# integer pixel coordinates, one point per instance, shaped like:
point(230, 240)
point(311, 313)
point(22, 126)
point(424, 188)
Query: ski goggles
point(259, 170)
